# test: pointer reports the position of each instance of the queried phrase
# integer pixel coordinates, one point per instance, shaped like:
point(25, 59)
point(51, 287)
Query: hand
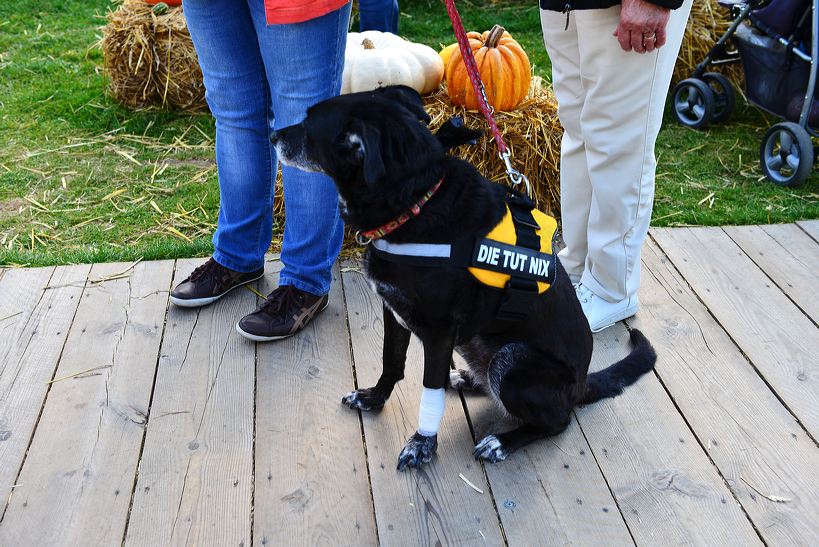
point(642, 26)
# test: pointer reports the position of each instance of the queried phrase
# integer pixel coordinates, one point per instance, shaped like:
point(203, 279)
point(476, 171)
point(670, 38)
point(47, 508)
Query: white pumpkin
point(376, 59)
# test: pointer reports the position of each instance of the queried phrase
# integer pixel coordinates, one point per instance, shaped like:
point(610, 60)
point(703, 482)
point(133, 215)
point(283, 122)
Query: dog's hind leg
point(495, 448)
point(532, 388)
point(396, 341)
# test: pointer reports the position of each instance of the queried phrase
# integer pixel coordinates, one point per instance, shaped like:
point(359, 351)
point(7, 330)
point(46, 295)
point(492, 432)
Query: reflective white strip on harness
point(437, 250)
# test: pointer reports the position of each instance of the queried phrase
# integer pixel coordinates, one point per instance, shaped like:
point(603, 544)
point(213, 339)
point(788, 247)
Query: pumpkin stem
point(494, 36)
point(368, 44)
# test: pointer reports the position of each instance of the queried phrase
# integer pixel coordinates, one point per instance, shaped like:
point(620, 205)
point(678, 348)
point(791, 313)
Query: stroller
point(779, 59)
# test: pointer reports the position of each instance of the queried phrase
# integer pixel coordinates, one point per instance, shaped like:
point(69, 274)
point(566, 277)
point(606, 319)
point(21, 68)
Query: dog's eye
point(343, 141)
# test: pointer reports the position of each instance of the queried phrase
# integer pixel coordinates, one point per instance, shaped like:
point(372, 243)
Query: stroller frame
point(787, 152)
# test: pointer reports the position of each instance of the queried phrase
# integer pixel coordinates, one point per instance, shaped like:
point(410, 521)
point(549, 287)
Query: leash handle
point(480, 94)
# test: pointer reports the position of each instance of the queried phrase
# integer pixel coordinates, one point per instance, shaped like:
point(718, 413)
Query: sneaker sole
point(610, 321)
point(257, 338)
point(199, 302)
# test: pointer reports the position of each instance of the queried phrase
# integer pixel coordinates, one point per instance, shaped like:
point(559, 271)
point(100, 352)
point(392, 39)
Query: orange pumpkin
point(171, 3)
point(446, 53)
point(502, 64)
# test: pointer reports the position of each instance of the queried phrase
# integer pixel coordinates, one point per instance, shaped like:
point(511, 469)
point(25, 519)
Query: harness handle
point(515, 176)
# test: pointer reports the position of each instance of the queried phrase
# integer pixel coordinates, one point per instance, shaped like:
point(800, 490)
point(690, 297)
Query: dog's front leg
point(437, 358)
point(396, 341)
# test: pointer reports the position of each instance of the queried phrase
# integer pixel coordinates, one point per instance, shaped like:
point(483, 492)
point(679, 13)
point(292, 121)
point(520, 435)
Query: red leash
point(480, 93)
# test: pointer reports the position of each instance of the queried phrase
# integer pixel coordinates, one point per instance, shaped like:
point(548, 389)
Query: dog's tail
point(611, 381)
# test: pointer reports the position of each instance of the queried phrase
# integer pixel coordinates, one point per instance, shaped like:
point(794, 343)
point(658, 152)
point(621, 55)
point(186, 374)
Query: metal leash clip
point(486, 100)
point(514, 175)
point(364, 241)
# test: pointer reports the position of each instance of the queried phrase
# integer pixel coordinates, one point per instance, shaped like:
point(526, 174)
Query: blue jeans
point(258, 77)
point(378, 15)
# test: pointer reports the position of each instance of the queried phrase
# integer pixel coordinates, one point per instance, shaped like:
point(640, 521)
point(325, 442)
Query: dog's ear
point(406, 97)
point(363, 143)
point(454, 133)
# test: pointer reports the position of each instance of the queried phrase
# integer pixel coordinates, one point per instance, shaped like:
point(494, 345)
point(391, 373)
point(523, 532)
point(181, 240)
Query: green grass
point(83, 179)
point(713, 177)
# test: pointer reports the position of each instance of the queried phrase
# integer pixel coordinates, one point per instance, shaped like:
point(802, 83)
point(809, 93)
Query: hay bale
point(532, 132)
point(150, 58)
point(177, 77)
point(127, 45)
point(706, 24)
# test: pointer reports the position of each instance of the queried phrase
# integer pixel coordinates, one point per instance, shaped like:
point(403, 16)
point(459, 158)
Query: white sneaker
point(602, 314)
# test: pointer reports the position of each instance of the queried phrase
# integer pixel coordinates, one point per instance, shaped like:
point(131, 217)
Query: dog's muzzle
point(290, 149)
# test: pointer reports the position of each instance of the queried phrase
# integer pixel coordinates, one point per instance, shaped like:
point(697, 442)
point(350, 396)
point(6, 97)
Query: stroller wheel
point(786, 154)
point(694, 103)
point(724, 96)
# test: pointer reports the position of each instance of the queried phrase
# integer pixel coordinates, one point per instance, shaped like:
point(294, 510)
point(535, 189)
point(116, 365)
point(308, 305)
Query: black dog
point(384, 160)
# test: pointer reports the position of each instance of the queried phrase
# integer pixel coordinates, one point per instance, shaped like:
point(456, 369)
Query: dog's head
point(362, 140)
point(375, 145)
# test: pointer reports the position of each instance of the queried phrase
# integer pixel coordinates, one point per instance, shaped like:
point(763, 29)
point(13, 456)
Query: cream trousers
point(610, 103)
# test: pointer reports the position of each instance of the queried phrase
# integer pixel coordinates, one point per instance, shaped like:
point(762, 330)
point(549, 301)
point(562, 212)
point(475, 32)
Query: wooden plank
point(34, 324)
point(431, 506)
point(667, 490)
point(788, 256)
point(195, 477)
point(748, 434)
point(775, 335)
point(20, 293)
point(811, 227)
point(76, 482)
point(309, 449)
point(551, 492)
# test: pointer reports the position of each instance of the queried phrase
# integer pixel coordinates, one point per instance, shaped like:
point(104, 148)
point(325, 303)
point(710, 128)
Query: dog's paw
point(418, 450)
point(490, 449)
point(458, 379)
point(364, 399)
point(461, 379)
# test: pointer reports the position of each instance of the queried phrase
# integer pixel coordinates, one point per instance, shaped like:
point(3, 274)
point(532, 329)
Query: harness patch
point(509, 259)
point(496, 258)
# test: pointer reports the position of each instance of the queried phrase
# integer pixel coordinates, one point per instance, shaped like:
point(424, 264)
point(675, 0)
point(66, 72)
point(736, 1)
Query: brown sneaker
point(286, 311)
point(208, 283)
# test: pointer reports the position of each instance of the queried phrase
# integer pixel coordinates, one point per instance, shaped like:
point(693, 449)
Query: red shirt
point(281, 12)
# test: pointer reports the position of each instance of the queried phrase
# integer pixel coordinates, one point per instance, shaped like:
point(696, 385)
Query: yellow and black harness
point(516, 256)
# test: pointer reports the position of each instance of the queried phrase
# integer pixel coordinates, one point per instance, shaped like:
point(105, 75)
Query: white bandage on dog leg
point(431, 411)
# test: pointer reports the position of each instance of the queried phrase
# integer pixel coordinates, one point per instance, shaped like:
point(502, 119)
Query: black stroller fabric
point(780, 17)
point(774, 77)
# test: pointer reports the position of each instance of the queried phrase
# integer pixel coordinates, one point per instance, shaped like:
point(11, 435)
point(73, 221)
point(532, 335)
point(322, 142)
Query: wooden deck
point(124, 420)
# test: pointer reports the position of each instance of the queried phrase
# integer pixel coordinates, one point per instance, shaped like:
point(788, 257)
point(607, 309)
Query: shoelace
point(280, 299)
point(205, 270)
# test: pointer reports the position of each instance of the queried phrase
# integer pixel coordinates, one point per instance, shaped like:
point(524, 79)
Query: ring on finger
point(652, 36)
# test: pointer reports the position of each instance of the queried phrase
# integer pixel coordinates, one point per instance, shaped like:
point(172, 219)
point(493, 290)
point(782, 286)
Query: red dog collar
point(394, 224)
